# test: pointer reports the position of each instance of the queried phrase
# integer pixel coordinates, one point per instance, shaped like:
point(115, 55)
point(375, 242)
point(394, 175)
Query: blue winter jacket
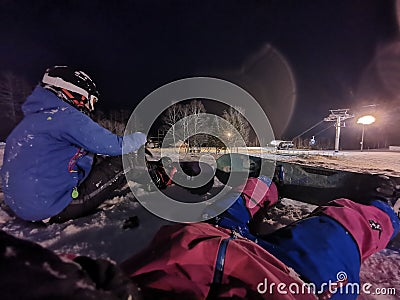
point(50, 152)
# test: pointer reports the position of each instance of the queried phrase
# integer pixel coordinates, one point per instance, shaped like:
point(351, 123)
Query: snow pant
point(105, 176)
point(318, 248)
point(321, 251)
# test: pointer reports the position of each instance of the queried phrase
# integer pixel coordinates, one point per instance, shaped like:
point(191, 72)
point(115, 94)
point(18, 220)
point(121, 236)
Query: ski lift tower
point(338, 116)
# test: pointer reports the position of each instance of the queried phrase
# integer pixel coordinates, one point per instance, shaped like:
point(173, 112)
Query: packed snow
point(382, 162)
point(102, 234)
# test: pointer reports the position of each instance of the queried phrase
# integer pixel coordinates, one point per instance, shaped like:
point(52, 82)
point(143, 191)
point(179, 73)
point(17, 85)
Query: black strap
point(219, 268)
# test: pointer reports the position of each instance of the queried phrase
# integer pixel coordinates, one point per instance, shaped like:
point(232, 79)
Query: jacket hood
point(41, 100)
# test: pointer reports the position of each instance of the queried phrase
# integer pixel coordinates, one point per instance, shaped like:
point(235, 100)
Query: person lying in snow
point(48, 169)
point(309, 259)
point(316, 257)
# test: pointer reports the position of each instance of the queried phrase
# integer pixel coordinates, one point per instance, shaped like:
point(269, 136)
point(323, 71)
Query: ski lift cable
point(315, 125)
point(319, 132)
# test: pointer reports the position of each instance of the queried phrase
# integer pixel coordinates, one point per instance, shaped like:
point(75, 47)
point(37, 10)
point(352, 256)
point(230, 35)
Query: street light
point(365, 120)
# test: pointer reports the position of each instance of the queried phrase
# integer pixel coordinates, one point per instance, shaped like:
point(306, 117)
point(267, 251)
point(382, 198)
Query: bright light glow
point(366, 120)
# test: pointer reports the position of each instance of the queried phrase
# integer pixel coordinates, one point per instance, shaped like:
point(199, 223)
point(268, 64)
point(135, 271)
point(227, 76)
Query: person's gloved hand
point(384, 188)
point(134, 141)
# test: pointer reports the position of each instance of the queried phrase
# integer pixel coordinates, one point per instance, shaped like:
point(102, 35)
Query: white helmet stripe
point(59, 82)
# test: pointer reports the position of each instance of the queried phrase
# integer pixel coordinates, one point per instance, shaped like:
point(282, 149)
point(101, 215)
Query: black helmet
point(73, 86)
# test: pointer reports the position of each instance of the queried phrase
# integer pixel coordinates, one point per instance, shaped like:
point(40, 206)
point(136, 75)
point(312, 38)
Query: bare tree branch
point(235, 116)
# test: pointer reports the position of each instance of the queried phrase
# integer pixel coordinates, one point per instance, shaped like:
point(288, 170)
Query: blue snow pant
point(321, 251)
point(318, 248)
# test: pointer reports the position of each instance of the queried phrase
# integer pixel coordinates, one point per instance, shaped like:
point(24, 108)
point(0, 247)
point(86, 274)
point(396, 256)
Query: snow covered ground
point(102, 234)
point(386, 162)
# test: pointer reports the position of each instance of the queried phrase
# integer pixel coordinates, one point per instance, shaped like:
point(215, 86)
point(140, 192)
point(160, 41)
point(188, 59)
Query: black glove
point(384, 188)
point(278, 179)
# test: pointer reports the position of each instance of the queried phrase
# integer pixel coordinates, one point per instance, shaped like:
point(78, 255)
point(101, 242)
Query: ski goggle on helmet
point(75, 87)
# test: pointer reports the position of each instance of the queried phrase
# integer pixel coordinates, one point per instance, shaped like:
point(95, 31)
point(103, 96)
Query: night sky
point(341, 54)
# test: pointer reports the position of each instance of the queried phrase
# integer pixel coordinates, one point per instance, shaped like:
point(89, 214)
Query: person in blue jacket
point(48, 169)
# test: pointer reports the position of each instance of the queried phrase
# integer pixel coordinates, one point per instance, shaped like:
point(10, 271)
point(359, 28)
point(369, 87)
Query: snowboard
point(310, 184)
